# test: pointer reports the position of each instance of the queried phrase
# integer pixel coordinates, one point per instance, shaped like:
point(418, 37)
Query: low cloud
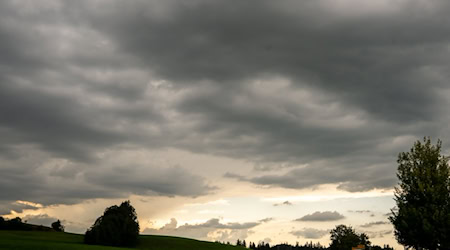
point(379, 234)
point(322, 216)
point(212, 229)
point(359, 211)
point(286, 203)
point(310, 233)
point(375, 223)
point(266, 220)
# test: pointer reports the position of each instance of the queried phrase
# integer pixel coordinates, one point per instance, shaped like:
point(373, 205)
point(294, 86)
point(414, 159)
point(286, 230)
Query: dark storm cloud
point(305, 86)
point(348, 178)
point(322, 216)
point(53, 122)
point(36, 179)
point(372, 60)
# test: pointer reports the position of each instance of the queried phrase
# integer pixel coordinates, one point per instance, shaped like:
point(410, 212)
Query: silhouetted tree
point(117, 227)
point(422, 216)
point(344, 238)
point(57, 226)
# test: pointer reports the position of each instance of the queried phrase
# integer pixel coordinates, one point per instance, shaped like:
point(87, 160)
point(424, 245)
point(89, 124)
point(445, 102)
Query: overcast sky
point(258, 120)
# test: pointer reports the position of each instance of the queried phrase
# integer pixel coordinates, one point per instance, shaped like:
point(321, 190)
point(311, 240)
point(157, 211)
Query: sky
point(260, 120)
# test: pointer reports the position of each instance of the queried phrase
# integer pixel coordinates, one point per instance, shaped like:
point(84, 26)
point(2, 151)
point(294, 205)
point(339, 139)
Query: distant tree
point(344, 238)
point(57, 226)
point(244, 244)
point(117, 227)
point(422, 216)
point(385, 247)
point(238, 242)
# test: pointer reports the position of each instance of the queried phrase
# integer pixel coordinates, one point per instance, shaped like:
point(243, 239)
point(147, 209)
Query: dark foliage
point(14, 224)
point(57, 226)
point(344, 238)
point(422, 216)
point(17, 224)
point(117, 227)
point(385, 247)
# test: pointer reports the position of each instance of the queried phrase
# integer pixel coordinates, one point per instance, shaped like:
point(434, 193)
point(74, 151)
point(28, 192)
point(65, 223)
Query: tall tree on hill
point(117, 227)
point(422, 216)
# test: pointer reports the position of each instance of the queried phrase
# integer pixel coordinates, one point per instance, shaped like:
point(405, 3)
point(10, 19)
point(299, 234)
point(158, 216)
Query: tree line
point(342, 238)
point(17, 224)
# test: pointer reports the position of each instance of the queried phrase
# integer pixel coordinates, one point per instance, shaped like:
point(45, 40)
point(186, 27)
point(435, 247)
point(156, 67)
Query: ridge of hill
point(48, 240)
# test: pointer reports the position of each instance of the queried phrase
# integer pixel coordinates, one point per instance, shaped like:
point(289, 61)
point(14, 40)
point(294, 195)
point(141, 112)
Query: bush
point(117, 227)
point(57, 226)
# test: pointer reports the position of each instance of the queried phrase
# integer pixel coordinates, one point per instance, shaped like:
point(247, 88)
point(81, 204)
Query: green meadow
point(35, 240)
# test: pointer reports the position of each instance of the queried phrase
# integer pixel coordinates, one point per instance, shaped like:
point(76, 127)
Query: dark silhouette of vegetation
point(17, 224)
point(117, 227)
point(344, 238)
point(422, 216)
point(57, 226)
point(14, 224)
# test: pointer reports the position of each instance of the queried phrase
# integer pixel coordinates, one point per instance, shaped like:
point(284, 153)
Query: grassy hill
point(36, 240)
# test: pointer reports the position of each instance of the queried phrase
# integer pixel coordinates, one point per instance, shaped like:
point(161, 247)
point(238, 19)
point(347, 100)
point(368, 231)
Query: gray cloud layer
point(322, 216)
point(326, 94)
point(375, 223)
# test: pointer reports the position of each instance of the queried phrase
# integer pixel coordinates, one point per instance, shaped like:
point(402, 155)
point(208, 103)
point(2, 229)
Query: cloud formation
point(286, 203)
point(322, 216)
point(375, 223)
point(306, 88)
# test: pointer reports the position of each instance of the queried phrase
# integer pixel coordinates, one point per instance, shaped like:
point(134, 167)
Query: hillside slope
point(34, 240)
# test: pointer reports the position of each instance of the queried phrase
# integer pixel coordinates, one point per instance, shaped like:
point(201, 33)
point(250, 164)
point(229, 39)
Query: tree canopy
point(344, 238)
point(117, 227)
point(422, 216)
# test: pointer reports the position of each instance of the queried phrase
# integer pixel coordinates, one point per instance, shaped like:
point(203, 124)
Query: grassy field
point(34, 240)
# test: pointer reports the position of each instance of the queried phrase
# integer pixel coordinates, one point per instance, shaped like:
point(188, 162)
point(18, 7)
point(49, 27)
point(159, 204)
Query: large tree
point(344, 238)
point(422, 216)
point(117, 227)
